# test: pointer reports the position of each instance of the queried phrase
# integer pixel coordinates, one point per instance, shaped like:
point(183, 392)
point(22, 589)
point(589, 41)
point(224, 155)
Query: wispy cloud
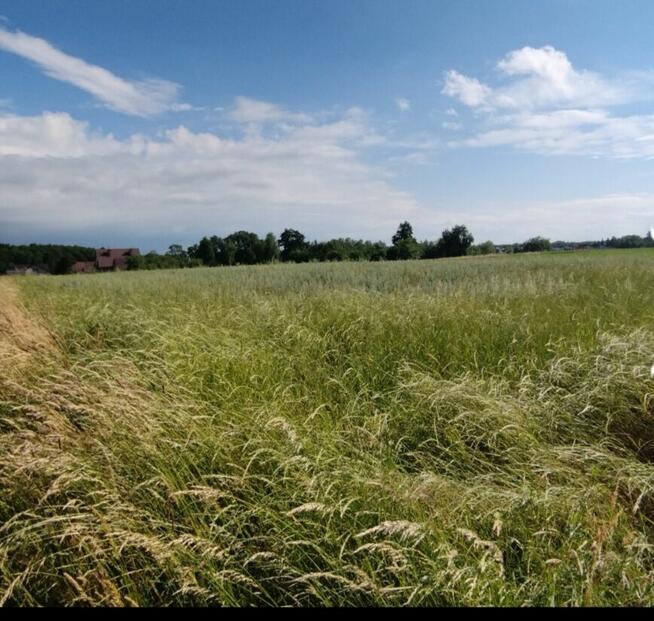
point(248, 110)
point(139, 98)
point(548, 106)
point(403, 104)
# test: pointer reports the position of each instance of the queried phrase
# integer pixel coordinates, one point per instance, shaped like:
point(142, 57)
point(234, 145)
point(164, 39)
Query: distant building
point(83, 267)
point(114, 258)
point(106, 260)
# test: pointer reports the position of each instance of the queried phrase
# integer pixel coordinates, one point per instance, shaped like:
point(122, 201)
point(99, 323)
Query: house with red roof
point(106, 260)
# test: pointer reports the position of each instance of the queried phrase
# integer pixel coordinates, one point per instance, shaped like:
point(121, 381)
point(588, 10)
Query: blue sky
point(156, 122)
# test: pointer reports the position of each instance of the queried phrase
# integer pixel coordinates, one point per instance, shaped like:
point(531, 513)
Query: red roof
point(115, 253)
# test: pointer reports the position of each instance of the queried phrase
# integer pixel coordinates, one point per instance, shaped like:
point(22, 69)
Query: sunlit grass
point(455, 432)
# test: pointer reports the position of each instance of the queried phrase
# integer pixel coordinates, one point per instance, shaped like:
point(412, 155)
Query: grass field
point(474, 431)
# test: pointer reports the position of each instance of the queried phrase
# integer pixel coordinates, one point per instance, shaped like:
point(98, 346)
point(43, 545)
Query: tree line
point(51, 258)
point(246, 248)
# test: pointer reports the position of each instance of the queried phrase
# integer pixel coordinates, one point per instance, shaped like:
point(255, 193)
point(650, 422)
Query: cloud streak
point(138, 98)
point(246, 110)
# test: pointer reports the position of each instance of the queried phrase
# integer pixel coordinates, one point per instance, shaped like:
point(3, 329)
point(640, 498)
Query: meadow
point(454, 432)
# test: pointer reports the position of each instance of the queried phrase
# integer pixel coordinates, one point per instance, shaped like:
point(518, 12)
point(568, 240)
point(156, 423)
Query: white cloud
point(139, 98)
point(468, 91)
point(451, 125)
point(56, 175)
point(548, 78)
point(572, 132)
point(550, 107)
point(186, 107)
point(248, 110)
point(403, 104)
point(542, 77)
point(51, 135)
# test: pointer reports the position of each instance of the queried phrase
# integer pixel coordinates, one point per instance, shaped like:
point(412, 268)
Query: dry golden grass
point(21, 336)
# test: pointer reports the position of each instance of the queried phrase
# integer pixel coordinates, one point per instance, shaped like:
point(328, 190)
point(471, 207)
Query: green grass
point(475, 431)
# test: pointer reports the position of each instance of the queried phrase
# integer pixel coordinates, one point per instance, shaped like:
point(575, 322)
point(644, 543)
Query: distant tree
point(487, 247)
point(135, 262)
point(175, 250)
point(269, 249)
point(228, 252)
point(535, 244)
point(293, 246)
point(218, 248)
point(455, 242)
point(431, 250)
point(246, 247)
point(403, 250)
point(53, 258)
point(629, 241)
point(62, 265)
point(206, 252)
point(404, 245)
point(404, 233)
point(376, 251)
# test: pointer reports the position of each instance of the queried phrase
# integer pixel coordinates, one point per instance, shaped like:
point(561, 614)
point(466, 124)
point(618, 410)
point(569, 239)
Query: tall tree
point(404, 245)
point(206, 252)
point(292, 244)
point(269, 249)
point(455, 242)
point(404, 232)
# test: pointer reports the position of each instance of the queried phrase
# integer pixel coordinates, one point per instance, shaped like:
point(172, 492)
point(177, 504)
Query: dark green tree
point(206, 252)
point(404, 245)
point(246, 247)
point(536, 244)
point(293, 245)
point(175, 250)
point(455, 242)
point(404, 233)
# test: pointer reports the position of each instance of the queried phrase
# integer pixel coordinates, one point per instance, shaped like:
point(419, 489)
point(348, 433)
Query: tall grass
point(453, 432)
